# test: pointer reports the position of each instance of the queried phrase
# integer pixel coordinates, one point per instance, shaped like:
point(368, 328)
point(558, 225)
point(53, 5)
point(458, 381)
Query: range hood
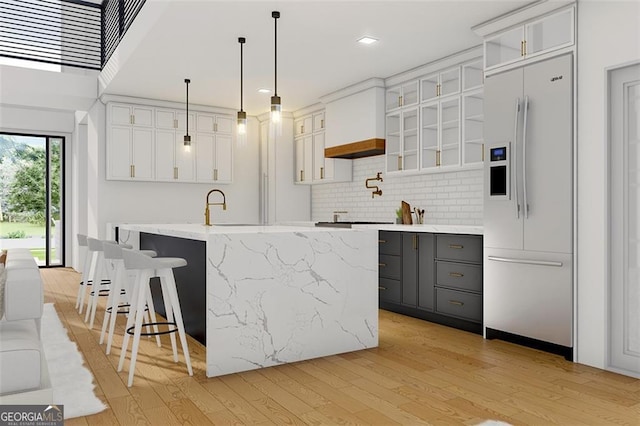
point(360, 149)
point(355, 119)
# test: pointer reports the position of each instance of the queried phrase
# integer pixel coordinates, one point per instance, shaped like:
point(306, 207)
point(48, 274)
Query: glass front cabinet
point(444, 130)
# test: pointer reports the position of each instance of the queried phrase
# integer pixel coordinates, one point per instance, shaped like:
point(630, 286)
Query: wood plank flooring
point(421, 373)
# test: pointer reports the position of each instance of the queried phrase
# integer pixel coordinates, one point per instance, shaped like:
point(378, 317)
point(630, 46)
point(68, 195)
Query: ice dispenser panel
point(499, 172)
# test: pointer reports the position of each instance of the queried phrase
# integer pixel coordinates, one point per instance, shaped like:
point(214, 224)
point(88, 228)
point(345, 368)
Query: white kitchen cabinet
point(441, 133)
point(530, 39)
point(472, 127)
point(173, 162)
point(214, 158)
point(440, 84)
point(130, 145)
point(208, 123)
point(403, 95)
point(402, 140)
point(311, 165)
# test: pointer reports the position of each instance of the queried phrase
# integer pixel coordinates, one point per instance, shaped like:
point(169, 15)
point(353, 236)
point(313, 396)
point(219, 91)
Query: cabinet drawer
point(459, 304)
point(389, 290)
point(389, 266)
point(389, 242)
point(459, 247)
point(459, 275)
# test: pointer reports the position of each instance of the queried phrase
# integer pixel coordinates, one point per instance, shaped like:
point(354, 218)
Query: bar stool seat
point(146, 268)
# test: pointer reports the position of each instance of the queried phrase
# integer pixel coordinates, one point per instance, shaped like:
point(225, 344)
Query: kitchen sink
point(348, 224)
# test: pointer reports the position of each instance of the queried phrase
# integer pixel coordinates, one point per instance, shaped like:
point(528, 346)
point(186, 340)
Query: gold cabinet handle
point(175, 123)
point(321, 172)
point(130, 119)
point(456, 274)
point(399, 101)
point(399, 162)
point(301, 175)
point(381, 288)
point(524, 49)
point(215, 127)
point(302, 129)
point(322, 123)
point(415, 242)
point(483, 153)
point(175, 173)
point(438, 157)
point(132, 171)
point(438, 89)
point(456, 246)
point(456, 302)
point(215, 174)
point(382, 265)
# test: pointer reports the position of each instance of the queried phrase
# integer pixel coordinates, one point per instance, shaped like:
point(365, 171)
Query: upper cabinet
point(403, 95)
point(444, 128)
point(530, 39)
point(147, 143)
point(311, 165)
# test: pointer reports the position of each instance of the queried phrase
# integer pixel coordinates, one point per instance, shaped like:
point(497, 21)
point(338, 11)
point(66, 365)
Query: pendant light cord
point(276, 15)
point(186, 80)
point(241, 73)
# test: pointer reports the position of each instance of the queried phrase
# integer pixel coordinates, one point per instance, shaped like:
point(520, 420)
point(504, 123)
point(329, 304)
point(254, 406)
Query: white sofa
point(24, 377)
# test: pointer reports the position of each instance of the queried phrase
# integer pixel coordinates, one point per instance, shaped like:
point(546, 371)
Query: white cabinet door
point(205, 123)
point(393, 144)
point(142, 154)
point(430, 134)
point(299, 171)
point(504, 48)
point(410, 139)
point(181, 116)
point(549, 33)
point(166, 119)
point(224, 124)
point(318, 122)
point(165, 155)
point(224, 159)
point(120, 114)
point(142, 116)
point(319, 169)
point(205, 158)
point(119, 155)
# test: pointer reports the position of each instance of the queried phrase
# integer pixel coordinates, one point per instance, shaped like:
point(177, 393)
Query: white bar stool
point(120, 294)
point(146, 268)
point(89, 273)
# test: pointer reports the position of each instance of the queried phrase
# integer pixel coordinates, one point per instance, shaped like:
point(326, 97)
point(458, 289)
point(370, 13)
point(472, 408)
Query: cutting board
point(406, 214)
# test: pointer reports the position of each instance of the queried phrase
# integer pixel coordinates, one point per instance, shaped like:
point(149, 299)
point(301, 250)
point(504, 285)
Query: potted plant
point(399, 215)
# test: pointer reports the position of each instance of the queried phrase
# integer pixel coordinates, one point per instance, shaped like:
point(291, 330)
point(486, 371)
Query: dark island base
point(191, 280)
point(433, 317)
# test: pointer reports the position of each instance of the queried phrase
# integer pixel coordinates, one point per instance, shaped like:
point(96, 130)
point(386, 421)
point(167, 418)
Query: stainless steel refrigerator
point(528, 205)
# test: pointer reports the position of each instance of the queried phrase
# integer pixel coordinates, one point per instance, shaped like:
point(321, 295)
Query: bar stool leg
point(177, 312)
point(139, 280)
point(151, 316)
point(168, 308)
point(140, 303)
point(87, 275)
point(100, 269)
point(113, 303)
point(84, 278)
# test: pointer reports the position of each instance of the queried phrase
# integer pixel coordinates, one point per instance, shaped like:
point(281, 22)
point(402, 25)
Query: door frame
point(64, 159)
point(609, 72)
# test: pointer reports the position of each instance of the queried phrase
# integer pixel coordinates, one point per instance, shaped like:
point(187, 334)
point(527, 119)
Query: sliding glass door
point(31, 195)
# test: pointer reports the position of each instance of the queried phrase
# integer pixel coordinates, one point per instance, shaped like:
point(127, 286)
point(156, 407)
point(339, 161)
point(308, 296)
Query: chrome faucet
point(377, 191)
point(337, 213)
point(207, 222)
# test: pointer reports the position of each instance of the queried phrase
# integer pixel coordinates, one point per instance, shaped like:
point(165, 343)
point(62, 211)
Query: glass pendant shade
point(242, 123)
point(276, 105)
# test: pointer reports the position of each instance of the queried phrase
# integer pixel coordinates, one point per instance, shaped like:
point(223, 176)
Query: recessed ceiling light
point(367, 40)
point(264, 90)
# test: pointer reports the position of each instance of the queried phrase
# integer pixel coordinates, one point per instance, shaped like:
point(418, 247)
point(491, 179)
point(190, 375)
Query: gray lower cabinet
point(436, 277)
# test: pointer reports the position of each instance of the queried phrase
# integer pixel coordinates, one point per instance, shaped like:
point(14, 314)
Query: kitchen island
point(274, 294)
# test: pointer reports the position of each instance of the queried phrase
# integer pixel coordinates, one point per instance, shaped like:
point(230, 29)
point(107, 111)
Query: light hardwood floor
point(421, 373)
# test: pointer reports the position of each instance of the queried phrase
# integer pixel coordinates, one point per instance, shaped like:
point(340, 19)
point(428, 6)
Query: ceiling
point(317, 49)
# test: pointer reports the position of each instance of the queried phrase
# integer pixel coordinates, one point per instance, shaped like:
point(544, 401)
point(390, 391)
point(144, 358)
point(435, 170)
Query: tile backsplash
point(448, 198)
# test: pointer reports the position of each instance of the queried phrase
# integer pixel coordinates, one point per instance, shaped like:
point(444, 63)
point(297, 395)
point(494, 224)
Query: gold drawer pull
point(456, 274)
point(382, 265)
point(382, 241)
point(456, 246)
point(456, 302)
point(381, 288)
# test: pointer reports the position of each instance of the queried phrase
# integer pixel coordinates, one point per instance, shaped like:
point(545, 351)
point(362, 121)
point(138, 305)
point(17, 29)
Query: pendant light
point(276, 106)
point(242, 116)
point(187, 138)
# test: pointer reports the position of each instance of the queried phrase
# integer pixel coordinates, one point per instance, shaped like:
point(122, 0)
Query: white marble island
point(280, 294)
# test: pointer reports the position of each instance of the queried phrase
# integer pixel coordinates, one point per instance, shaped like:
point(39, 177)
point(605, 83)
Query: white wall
point(608, 35)
point(448, 198)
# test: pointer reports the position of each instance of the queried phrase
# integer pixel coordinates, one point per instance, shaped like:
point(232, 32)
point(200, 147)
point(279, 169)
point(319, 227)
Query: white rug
point(72, 382)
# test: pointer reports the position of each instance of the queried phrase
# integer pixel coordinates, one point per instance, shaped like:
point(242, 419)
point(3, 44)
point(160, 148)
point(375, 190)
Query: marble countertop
point(196, 231)
point(433, 228)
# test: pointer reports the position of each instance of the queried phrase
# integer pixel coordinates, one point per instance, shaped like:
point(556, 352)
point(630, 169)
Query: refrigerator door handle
point(525, 261)
point(515, 155)
point(524, 157)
